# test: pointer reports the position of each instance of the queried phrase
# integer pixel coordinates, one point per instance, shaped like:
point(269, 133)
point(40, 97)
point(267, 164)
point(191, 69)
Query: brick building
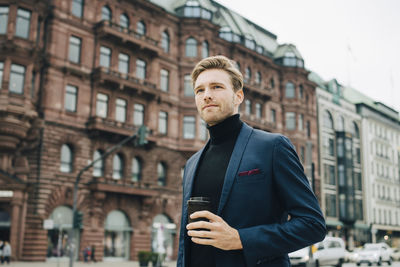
point(77, 77)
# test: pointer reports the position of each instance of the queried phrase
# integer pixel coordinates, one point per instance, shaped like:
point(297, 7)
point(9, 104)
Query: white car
point(301, 257)
point(396, 254)
point(330, 251)
point(375, 253)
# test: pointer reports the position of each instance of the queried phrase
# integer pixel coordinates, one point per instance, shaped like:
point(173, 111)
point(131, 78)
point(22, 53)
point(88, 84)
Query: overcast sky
point(355, 41)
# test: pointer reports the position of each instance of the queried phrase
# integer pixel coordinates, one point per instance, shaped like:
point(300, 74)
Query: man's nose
point(207, 93)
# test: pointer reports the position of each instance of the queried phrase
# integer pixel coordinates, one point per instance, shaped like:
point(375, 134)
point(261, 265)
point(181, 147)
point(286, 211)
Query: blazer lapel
point(233, 165)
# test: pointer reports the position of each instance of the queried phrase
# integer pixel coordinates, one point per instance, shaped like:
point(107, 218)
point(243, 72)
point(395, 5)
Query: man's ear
point(239, 97)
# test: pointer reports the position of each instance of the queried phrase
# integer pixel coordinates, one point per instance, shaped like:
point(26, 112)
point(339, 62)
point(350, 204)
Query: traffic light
point(142, 135)
point(78, 220)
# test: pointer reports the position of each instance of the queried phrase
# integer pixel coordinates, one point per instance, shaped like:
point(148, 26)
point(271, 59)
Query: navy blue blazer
point(264, 183)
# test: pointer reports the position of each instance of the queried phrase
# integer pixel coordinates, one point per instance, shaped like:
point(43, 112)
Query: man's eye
point(199, 91)
point(217, 86)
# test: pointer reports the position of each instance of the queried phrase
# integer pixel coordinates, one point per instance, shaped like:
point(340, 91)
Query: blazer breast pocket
point(251, 176)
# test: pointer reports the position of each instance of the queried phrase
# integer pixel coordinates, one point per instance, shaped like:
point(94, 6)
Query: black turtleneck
point(210, 177)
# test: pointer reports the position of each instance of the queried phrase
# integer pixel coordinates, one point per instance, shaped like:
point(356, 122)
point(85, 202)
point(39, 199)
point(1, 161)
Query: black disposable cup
point(197, 204)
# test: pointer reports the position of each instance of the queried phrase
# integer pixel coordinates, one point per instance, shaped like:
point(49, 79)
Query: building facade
point(342, 183)
point(77, 77)
point(381, 140)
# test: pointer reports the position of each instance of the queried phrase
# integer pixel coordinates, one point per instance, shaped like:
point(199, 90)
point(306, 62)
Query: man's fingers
point(199, 224)
point(203, 241)
point(201, 234)
point(205, 214)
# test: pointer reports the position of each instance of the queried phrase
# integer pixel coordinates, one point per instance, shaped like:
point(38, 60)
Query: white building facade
point(341, 172)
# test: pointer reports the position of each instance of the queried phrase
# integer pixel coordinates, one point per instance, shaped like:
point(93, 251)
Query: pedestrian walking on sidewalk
point(6, 253)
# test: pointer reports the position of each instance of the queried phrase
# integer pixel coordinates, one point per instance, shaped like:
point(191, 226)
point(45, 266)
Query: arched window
point(165, 41)
point(118, 167)
point(106, 13)
point(290, 90)
point(161, 173)
point(58, 241)
point(356, 132)
point(340, 124)
point(141, 28)
point(117, 235)
point(247, 74)
point(98, 167)
point(124, 21)
point(204, 49)
point(258, 77)
point(136, 169)
point(191, 47)
point(163, 235)
point(327, 120)
point(66, 158)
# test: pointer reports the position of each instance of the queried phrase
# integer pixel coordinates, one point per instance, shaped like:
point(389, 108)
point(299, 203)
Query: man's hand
point(220, 234)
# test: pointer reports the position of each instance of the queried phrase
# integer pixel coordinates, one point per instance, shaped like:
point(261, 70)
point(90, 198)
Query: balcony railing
point(126, 35)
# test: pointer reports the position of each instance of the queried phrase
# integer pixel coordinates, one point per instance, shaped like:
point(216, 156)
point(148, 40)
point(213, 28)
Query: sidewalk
point(82, 264)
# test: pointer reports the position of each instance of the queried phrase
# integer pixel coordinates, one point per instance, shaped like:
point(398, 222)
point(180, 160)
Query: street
point(394, 264)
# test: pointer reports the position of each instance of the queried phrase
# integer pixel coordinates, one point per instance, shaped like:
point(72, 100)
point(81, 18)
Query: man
point(253, 178)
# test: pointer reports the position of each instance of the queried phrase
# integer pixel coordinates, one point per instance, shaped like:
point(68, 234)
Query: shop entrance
point(5, 223)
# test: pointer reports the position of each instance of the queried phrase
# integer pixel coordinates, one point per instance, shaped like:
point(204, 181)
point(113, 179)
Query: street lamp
point(78, 216)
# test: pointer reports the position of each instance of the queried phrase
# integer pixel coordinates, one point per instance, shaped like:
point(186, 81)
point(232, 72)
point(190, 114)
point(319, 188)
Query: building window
point(136, 169)
point(3, 19)
point(247, 108)
point(302, 154)
point(98, 167)
point(358, 155)
point(141, 28)
point(290, 121)
point(123, 63)
point(23, 23)
point(358, 181)
point(75, 49)
point(187, 85)
point(102, 105)
point(191, 47)
point(308, 125)
point(341, 175)
point(71, 94)
point(301, 119)
point(340, 124)
point(330, 205)
point(118, 167)
point(17, 79)
point(258, 110)
point(164, 80)
point(290, 90)
point(77, 8)
point(329, 173)
point(356, 132)
point(141, 69)
point(272, 83)
point(329, 146)
point(1, 74)
point(163, 122)
point(301, 91)
point(273, 116)
point(165, 41)
point(124, 21)
point(106, 13)
point(66, 159)
point(120, 110)
point(203, 130)
point(327, 120)
point(189, 127)
point(258, 78)
point(105, 57)
point(161, 173)
point(204, 49)
point(138, 114)
point(247, 74)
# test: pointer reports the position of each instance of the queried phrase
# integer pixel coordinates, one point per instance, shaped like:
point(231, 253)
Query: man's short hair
point(221, 63)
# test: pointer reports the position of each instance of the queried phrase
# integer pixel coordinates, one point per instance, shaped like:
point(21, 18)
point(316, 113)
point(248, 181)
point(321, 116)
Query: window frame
point(4, 12)
point(17, 74)
point(75, 42)
point(102, 101)
point(22, 19)
point(191, 47)
point(120, 109)
point(66, 160)
point(71, 98)
point(189, 127)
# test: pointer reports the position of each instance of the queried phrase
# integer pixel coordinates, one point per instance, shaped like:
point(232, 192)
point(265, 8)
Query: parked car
point(375, 254)
point(301, 258)
point(352, 256)
point(330, 251)
point(396, 254)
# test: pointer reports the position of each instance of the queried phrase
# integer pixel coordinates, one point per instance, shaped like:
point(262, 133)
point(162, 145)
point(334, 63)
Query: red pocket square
point(251, 172)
